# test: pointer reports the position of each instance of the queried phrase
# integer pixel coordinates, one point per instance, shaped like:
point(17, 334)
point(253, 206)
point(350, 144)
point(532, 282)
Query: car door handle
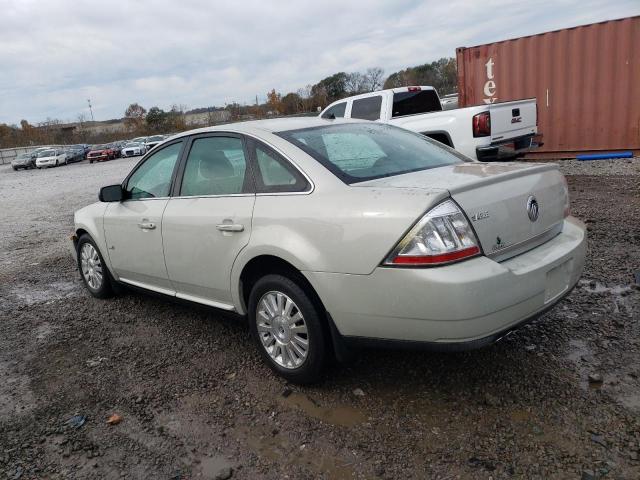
point(230, 227)
point(147, 225)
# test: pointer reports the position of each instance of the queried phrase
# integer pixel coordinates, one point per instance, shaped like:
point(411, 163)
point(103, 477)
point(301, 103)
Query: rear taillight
point(443, 235)
point(482, 124)
point(414, 89)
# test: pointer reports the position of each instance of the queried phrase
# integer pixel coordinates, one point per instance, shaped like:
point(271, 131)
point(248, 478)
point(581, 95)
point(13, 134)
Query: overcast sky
point(55, 54)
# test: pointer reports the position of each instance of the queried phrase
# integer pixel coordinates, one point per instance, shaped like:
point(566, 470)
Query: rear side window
point(337, 111)
point(367, 108)
point(215, 166)
point(276, 174)
point(413, 103)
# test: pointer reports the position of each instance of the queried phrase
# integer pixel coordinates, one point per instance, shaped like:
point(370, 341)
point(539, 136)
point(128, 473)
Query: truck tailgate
point(513, 119)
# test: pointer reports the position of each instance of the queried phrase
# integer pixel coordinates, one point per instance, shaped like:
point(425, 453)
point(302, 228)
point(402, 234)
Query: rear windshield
point(412, 103)
point(356, 152)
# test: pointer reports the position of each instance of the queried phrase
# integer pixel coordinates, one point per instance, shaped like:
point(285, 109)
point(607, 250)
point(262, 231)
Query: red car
point(101, 153)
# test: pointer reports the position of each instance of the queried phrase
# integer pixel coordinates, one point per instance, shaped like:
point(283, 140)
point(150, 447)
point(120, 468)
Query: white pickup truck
point(485, 132)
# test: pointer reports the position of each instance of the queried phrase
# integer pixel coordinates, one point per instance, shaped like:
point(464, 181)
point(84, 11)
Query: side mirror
point(112, 193)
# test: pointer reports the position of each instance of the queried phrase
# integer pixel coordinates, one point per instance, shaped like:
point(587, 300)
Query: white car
point(152, 142)
point(51, 158)
point(329, 233)
point(484, 132)
point(132, 149)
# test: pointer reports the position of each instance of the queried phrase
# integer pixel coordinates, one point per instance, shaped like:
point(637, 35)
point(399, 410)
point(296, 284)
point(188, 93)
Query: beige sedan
point(329, 234)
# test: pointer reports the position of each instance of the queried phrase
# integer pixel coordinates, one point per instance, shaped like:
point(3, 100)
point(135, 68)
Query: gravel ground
point(195, 401)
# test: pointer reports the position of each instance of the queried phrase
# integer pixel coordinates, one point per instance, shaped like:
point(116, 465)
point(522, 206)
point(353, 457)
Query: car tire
point(93, 270)
point(287, 333)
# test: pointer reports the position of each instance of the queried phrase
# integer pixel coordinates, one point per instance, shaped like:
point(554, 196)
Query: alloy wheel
point(91, 266)
point(282, 329)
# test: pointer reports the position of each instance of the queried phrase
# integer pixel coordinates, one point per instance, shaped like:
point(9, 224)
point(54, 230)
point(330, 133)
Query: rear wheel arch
point(442, 137)
point(263, 265)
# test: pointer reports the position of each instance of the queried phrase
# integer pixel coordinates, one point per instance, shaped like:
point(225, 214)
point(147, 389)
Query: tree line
point(441, 74)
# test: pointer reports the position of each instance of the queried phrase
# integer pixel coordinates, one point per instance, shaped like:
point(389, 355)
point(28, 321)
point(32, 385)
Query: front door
point(133, 227)
point(206, 225)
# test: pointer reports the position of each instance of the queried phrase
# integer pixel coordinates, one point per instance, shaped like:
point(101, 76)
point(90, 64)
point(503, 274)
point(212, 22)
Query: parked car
point(51, 157)
point(486, 132)
point(24, 160)
point(328, 234)
point(75, 154)
point(153, 141)
point(100, 153)
point(133, 149)
point(84, 147)
point(118, 146)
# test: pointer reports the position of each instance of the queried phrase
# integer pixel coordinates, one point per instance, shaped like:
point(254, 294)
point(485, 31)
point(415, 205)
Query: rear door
point(208, 221)
point(513, 119)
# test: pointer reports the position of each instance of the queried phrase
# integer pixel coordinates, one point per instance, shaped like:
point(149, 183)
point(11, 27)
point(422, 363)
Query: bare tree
point(355, 83)
point(134, 117)
point(305, 95)
point(373, 79)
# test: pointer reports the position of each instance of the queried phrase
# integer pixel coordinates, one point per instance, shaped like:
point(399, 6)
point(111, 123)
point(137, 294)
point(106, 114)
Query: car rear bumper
point(507, 150)
point(472, 302)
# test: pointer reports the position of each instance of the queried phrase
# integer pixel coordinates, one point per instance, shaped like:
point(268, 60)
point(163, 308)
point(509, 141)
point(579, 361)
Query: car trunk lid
point(499, 199)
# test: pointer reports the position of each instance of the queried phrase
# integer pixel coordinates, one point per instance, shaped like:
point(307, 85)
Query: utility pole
point(90, 109)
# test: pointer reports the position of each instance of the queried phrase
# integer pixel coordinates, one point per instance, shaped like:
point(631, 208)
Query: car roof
point(270, 126)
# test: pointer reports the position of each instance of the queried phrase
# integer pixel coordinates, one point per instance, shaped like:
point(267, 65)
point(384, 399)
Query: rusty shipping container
point(586, 80)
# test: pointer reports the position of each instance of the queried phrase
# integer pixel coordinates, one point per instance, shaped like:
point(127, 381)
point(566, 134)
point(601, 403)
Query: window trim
point(144, 159)
point(258, 181)
point(177, 186)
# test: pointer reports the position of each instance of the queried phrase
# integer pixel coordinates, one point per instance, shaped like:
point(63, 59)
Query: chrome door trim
point(204, 301)
point(146, 286)
point(191, 298)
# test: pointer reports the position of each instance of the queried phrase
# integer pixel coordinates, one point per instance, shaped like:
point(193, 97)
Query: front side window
point(215, 166)
point(367, 108)
point(337, 111)
point(357, 152)
point(153, 178)
point(275, 174)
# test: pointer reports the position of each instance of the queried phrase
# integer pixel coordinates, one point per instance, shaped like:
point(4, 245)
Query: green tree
point(291, 103)
point(441, 74)
point(330, 89)
point(156, 119)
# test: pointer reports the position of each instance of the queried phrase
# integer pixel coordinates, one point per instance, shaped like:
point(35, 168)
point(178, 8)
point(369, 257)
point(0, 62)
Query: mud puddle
point(342, 415)
point(275, 446)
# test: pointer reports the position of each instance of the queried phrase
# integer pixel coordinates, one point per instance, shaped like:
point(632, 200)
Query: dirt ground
point(196, 402)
